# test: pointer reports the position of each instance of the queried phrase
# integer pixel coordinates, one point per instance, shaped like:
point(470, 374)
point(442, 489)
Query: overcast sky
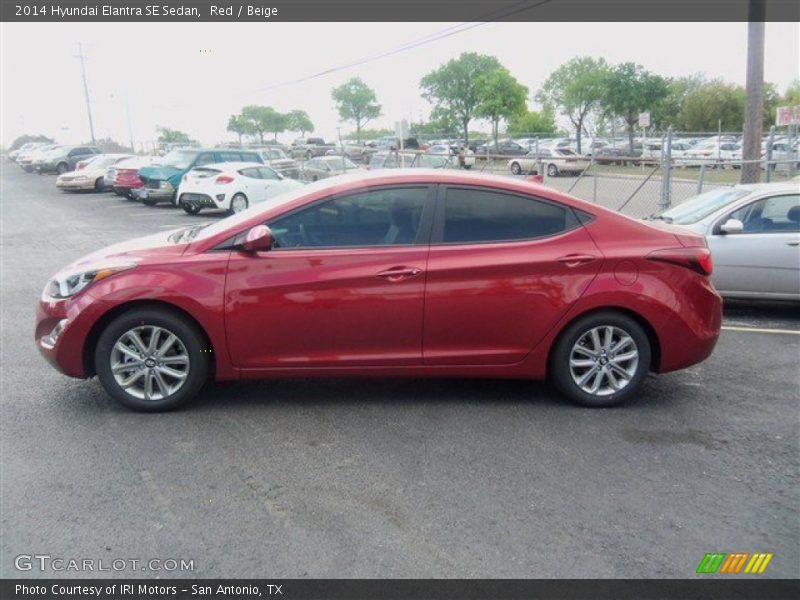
point(192, 76)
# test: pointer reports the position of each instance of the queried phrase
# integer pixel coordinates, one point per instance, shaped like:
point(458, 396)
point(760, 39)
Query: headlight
point(165, 185)
point(69, 284)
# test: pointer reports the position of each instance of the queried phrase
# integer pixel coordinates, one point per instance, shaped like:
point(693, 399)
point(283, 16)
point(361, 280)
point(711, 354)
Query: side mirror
point(258, 239)
point(732, 226)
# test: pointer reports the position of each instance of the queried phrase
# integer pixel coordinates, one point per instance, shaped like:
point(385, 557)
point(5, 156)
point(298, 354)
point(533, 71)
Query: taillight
point(224, 179)
point(696, 258)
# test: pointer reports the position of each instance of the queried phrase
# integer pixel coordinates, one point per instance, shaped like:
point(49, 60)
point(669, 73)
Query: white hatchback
point(231, 186)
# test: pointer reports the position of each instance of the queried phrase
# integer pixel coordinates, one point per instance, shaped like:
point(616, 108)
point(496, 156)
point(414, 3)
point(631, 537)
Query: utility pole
point(754, 110)
point(82, 58)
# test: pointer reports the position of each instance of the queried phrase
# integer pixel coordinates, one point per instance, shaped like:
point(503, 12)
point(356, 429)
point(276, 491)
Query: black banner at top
point(397, 10)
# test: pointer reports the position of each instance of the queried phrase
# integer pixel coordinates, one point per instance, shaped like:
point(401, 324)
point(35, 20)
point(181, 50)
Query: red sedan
point(395, 273)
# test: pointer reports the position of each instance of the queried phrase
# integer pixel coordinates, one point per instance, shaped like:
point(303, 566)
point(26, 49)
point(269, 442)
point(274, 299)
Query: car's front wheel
point(152, 359)
point(99, 185)
point(601, 360)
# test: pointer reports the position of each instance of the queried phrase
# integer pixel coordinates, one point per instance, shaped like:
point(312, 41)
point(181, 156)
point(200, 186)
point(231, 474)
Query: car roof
point(231, 165)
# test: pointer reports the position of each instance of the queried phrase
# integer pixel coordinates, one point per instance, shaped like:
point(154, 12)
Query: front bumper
point(78, 314)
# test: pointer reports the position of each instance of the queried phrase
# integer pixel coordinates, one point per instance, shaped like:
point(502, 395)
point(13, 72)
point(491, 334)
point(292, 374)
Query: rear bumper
point(198, 200)
point(690, 334)
point(75, 185)
point(152, 195)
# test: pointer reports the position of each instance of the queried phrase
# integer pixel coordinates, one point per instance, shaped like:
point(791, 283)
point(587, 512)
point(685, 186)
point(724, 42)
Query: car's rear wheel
point(99, 185)
point(150, 359)
point(552, 170)
point(601, 360)
point(516, 169)
point(238, 204)
point(191, 209)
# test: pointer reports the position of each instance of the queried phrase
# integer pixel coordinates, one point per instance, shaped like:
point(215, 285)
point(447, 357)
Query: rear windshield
point(205, 172)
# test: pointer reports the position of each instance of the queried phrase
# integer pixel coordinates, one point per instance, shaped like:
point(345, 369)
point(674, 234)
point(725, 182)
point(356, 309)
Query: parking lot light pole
point(666, 176)
point(82, 58)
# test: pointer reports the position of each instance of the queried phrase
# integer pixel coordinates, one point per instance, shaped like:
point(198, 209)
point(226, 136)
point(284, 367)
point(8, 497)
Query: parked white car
point(90, 175)
point(712, 153)
point(460, 158)
point(554, 161)
point(753, 232)
point(231, 186)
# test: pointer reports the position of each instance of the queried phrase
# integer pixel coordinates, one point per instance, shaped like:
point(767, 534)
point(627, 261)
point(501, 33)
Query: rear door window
point(478, 215)
point(206, 158)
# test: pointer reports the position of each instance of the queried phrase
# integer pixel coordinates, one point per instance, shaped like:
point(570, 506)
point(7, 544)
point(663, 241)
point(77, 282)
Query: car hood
point(159, 173)
point(157, 246)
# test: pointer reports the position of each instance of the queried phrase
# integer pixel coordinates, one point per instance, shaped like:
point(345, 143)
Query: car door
point(765, 257)
point(343, 286)
point(251, 184)
point(269, 177)
point(503, 268)
point(76, 155)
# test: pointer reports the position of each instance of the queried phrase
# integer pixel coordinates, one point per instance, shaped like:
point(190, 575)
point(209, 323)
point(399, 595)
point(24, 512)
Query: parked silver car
point(753, 232)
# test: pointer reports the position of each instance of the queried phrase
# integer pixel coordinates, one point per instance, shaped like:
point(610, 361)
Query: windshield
point(336, 163)
point(701, 206)
point(178, 159)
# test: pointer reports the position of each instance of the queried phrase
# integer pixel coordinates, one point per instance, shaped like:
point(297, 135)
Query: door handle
point(573, 260)
point(399, 273)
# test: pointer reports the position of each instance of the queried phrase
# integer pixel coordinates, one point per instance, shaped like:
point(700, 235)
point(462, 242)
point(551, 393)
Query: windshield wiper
point(660, 217)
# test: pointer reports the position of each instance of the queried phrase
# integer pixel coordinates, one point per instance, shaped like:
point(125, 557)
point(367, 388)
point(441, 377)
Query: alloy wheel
point(149, 362)
point(603, 360)
point(238, 204)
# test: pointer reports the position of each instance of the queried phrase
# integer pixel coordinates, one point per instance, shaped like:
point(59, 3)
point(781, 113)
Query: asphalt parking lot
point(385, 478)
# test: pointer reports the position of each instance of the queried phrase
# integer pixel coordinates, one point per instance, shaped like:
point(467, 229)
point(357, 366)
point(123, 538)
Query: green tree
point(667, 112)
point(259, 118)
point(629, 90)
point(532, 122)
point(27, 139)
point(111, 146)
point(504, 97)
point(791, 97)
point(576, 88)
point(167, 136)
point(356, 102)
point(714, 104)
point(455, 88)
point(298, 120)
point(239, 125)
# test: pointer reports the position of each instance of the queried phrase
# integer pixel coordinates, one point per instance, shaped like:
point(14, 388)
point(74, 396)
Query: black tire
point(149, 202)
point(192, 339)
point(552, 170)
point(99, 185)
point(240, 196)
point(191, 209)
point(467, 167)
point(516, 169)
point(61, 168)
point(559, 368)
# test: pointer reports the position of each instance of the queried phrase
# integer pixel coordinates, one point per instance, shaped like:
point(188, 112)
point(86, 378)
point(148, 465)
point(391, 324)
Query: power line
point(433, 37)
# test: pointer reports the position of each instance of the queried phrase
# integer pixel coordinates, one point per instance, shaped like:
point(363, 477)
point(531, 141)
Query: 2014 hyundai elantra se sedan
point(406, 273)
